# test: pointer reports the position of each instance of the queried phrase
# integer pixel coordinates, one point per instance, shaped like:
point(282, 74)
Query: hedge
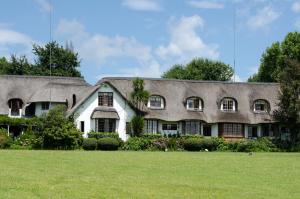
point(107, 144)
point(89, 144)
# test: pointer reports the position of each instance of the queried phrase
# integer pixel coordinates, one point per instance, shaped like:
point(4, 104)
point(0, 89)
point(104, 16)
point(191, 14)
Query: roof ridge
point(192, 81)
point(42, 76)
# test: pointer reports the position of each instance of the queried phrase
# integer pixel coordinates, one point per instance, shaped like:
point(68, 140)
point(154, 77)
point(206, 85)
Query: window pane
point(105, 99)
point(230, 129)
point(156, 101)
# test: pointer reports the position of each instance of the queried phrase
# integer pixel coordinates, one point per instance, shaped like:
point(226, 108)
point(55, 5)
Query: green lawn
point(81, 174)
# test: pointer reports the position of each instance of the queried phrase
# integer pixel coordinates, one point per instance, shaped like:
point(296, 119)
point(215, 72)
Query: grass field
point(81, 174)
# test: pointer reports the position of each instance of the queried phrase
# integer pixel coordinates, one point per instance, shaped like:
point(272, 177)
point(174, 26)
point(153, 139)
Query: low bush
point(260, 145)
point(5, 140)
point(28, 140)
point(99, 135)
point(107, 144)
point(137, 144)
point(89, 144)
point(197, 144)
point(151, 136)
point(192, 144)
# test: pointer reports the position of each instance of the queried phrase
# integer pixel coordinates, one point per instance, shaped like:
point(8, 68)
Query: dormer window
point(228, 104)
point(105, 99)
point(194, 103)
point(156, 102)
point(261, 106)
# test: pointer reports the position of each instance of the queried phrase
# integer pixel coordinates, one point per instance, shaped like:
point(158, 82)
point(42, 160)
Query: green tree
point(272, 62)
point(16, 66)
point(288, 113)
point(139, 97)
point(64, 61)
point(58, 131)
point(201, 69)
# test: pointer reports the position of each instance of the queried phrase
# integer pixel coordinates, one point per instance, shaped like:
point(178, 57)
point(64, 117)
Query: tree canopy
point(274, 58)
point(288, 113)
point(65, 62)
point(201, 69)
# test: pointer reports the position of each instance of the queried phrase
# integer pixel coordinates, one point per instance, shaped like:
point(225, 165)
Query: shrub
point(137, 143)
point(160, 144)
point(5, 140)
point(151, 136)
point(192, 144)
point(137, 125)
point(197, 144)
point(28, 140)
point(260, 145)
point(99, 135)
point(107, 144)
point(58, 131)
point(89, 144)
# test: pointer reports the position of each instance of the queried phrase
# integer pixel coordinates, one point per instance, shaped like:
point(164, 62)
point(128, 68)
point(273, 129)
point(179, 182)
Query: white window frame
point(162, 103)
point(260, 102)
point(193, 108)
point(227, 101)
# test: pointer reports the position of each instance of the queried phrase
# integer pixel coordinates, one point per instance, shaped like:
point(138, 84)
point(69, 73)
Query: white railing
point(15, 114)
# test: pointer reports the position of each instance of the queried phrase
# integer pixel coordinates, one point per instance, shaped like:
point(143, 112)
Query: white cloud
point(126, 56)
point(11, 39)
point(102, 49)
point(263, 18)
point(142, 5)
point(44, 5)
point(185, 43)
point(206, 4)
point(296, 7)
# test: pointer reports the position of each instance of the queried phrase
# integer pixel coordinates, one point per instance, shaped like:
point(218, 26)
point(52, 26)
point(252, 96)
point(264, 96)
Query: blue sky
point(146, 37)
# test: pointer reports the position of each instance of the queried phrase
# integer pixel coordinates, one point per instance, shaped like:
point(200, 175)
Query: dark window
point(74, 100)
point(105, 99)
point(265, 130)
point(128, 128)
point(45, 105)
point(191, 127)
point(172, 127)
point(261, 106)
point(207, 130)
point(156, 102)
point(15, 105)
point(193, 104)
point(232, 130)
point(106, 125)
point(150, 126)
point(82, 126)
point(252, 132)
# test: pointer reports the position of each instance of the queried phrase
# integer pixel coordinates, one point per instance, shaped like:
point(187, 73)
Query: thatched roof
point(37, 89)
point(175, 93)
point(105, 112)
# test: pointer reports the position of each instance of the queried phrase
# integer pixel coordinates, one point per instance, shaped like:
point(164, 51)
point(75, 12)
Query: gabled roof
point(38, 88)
point(175, 92)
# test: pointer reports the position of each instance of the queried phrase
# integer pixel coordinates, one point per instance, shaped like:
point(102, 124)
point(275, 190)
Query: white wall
point(214, 130)
point(85, 110)
point(38, 107)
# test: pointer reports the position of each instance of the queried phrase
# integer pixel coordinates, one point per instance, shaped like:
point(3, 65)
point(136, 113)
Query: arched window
point(15, 107)
point(228, 104)
point(261, 106)
point(74, 100)
point(194, 103)
point(156, 102)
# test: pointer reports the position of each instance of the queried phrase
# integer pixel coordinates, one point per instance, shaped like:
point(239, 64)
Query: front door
point(252, 132)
